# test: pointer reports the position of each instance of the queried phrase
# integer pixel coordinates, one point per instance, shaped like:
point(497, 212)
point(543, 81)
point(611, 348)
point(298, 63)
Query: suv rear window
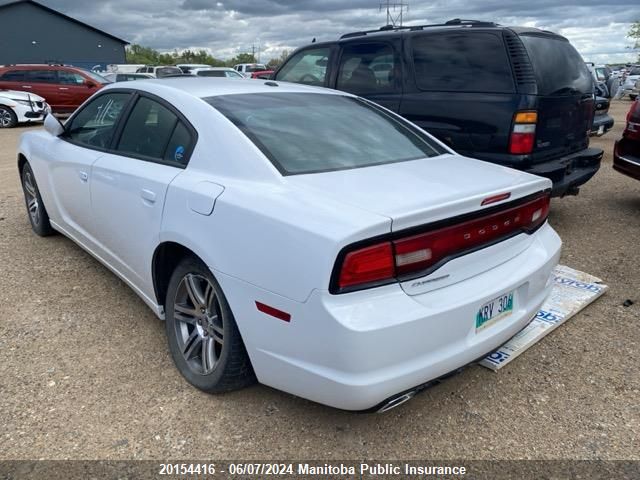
point(559, 68)
point(462, 62)
point(309, 132)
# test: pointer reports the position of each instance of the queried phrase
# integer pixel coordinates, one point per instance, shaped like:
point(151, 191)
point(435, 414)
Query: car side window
point(94, 125)
point(70, 78)
point(308, 66)
point(155, 132)
point(367, 68)
point(462, 62)
point(41, 76)
point(13, 76)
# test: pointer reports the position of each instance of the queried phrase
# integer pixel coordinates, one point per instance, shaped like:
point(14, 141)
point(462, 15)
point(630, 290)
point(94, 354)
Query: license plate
point(492, 311)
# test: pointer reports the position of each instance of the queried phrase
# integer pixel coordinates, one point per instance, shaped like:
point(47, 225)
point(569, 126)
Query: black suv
point(520, 97)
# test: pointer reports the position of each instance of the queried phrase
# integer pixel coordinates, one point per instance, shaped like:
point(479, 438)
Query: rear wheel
point(203, 336)
point(8, 118)
point(35, 206)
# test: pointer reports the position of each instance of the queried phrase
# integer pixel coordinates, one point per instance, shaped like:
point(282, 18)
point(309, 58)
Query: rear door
point(373, 70)
point(44, 82)
point(565, 96)
point(13, 80)
point(129, 185)
point(461, 89)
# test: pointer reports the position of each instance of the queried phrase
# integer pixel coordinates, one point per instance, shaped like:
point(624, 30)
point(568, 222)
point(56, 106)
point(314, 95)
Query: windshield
point(310, 132)
point(95, 77)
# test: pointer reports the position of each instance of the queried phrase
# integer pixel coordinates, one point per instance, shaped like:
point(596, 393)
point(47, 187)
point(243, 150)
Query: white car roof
point(202, 87)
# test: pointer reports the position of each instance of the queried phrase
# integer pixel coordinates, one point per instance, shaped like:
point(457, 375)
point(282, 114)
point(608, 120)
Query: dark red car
point(626, 153)
point(262, 74)
point(65, 88)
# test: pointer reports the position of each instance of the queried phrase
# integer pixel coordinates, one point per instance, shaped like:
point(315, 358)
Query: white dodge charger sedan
point(303, 237)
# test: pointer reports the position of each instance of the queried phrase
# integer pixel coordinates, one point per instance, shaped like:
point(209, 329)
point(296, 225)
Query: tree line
point(148, 56)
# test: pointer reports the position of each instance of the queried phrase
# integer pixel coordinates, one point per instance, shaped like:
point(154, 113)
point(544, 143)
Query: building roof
point(8, 3)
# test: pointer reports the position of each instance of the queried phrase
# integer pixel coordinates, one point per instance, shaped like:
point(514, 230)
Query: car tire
point(203, 337)
point(38, 216)
point(8, 118)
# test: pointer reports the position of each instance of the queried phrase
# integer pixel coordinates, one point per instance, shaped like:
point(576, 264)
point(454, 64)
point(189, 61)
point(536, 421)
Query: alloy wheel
point(6, 119)
point(31, 193)
point(199, 323)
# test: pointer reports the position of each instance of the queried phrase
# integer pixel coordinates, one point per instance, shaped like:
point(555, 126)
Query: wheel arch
point(22, 161)
point(166, 258)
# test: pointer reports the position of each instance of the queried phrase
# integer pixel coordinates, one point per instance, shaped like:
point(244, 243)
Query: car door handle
point(84, 176)
point(148, 196)
point(26, 86)
point(63, 88)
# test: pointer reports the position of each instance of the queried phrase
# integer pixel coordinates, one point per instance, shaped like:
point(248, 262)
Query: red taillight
point(367, 265)
point(523, 134)
point(402, 258)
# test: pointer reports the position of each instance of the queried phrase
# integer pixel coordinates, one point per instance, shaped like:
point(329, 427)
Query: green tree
point(634, 34)
point(241, 58)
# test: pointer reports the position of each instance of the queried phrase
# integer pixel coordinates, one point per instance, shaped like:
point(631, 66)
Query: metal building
point(35, 33)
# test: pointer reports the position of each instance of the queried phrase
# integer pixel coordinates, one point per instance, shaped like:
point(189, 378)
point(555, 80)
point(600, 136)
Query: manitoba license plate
point(492, 311)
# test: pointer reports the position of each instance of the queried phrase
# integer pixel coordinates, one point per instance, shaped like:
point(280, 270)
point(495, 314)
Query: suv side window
point(41, 76)
point(155, 132)
point(13, 76)
point(367, 68)
point(94, 125)
point(462, 62)
point(308, 66)
point(67, 77)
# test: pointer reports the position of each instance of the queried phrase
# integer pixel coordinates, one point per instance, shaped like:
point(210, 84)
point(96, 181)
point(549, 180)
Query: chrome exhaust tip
point(397, 401)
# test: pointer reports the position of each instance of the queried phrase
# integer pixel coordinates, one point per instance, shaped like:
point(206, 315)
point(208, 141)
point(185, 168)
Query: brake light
point(399, 259)
point(523, 133)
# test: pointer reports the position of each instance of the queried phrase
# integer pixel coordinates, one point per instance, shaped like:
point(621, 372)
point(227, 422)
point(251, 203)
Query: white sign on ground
point(573, 290)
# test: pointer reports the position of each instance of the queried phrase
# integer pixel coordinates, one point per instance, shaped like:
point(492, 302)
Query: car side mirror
point(89, 84)
point(53, 125)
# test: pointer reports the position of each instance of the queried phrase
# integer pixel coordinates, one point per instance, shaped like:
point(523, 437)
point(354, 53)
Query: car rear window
point(559, 68)
point(309, 132)
point(462, 62)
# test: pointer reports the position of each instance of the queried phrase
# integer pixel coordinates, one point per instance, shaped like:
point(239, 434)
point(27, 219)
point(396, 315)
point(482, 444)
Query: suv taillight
point(405, 257)
point(523, 133)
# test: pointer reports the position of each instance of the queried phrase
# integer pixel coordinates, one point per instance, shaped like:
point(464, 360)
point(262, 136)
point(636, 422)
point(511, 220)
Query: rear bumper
point(570, 172)
point(356, 350)
point(625, 162)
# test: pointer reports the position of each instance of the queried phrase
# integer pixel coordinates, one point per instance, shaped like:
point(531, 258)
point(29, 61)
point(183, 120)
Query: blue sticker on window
point(179, 154)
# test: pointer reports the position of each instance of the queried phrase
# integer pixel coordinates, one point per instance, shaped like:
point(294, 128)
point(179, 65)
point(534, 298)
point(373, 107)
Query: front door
point(87, 136)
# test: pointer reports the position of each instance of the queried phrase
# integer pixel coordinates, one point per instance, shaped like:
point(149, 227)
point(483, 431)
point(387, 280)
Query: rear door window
point(70, 78)
point(462, 62)
point(41, 76)
point(308, 66)
point(367, 69)
point(154, 132)
point(559, 68)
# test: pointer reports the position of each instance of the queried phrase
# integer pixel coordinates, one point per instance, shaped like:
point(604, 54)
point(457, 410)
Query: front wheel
point(202, 333)
point(8, 118)
point(35, 206)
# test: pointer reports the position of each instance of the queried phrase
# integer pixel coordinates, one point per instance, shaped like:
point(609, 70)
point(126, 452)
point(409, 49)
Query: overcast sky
point(597, 28)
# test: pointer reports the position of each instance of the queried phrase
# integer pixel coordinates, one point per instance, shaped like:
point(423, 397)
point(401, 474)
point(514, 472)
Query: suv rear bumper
point(570, 172)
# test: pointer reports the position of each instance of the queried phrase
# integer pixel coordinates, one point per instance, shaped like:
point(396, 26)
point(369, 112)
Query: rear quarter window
point(462, 62)
point(559, 68)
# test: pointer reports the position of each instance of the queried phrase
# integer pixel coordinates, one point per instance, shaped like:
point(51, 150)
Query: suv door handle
point(63, 88)
point(26, 86)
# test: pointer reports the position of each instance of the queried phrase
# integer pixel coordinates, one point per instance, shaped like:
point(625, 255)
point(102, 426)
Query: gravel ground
point(85, 371)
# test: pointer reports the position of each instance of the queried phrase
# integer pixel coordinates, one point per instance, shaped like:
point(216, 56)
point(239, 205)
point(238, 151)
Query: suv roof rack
point(411, 28)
